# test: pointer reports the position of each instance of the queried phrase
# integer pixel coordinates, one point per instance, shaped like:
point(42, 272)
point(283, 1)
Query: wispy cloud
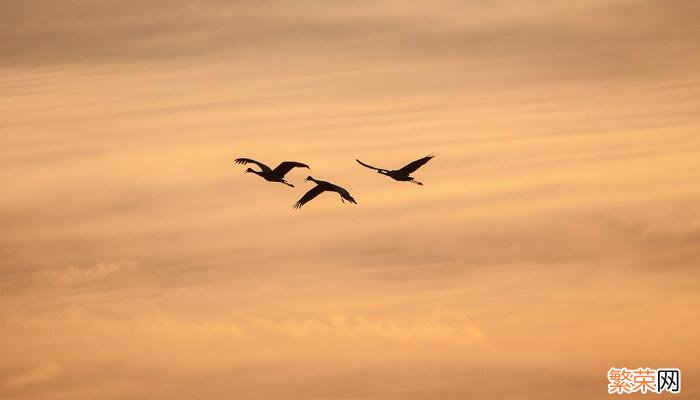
point(567, 36)
point(73, 275)
point(137, 260)
point(342, 325)
point(35, 376)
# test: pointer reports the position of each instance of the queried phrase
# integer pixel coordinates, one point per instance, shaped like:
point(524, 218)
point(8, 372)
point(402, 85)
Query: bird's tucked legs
point(287, 183)
point(416, 182)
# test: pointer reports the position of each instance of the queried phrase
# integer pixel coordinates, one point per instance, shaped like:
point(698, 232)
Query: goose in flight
point(269, 174)
point(403, 173)
point(323, 186)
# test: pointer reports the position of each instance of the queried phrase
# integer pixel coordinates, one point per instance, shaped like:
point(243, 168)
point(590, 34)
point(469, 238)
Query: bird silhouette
point(323, 186)
point(269, 174)
point(403, 173)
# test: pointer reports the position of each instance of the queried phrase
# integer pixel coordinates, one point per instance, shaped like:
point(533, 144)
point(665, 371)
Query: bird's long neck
point(321, 183)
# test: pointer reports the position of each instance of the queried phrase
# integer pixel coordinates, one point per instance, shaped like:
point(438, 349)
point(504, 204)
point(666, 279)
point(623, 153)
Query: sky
point(557, 233)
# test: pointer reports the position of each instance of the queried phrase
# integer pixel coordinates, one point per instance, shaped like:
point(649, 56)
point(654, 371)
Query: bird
point(323, 186)
point(272, 175)
point(403, 173)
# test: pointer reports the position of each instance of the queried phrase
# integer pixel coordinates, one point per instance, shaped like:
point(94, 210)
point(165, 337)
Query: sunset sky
point(557, 234)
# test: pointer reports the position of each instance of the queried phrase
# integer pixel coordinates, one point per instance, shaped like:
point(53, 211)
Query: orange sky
point(557, 234)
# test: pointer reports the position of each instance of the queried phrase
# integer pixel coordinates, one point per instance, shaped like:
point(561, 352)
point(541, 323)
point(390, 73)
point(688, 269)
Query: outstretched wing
point(414, 165)
point(287, 166)
point(309, 196)
point(344, 194)
point(248, 160)
point(371, 167)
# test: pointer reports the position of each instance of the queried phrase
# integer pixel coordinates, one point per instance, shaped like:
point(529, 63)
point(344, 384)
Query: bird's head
point(309, 178)
point(249, 170)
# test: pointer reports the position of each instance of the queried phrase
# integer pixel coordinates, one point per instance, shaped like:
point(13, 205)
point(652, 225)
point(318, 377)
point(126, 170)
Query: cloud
point(585, 37)
point(35, 376)
point(75, 276)
point(139, 260)
point(340, 325)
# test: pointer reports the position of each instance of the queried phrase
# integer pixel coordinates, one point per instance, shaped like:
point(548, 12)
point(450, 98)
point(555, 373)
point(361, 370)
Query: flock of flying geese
point(277, 175)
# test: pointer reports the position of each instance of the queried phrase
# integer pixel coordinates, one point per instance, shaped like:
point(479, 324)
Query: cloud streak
point(136, 259)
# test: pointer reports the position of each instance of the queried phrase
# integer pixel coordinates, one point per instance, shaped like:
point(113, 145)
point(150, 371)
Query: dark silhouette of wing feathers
point(287, 166)
point(248, 160)
point(345, 194)
point(411, 167)
point(310, 195)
